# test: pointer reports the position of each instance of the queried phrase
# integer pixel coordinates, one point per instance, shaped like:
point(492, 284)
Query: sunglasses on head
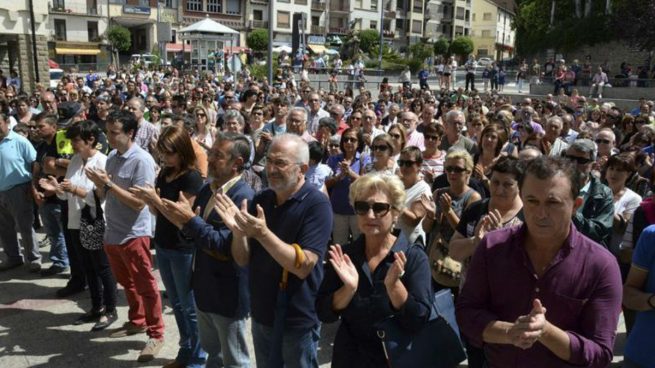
point(407, 163)
point(455, 169)
point(578, 160)
point(379, 208)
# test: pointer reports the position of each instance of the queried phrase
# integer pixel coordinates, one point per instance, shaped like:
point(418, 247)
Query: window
point(194, 5)
point(400, 24)
point(400, 4)
point(374, 4)
point(283, 19)
point(418, 6)
point(459, 13)
point(60, 30)
point(214, 6)
point(486, 16)
point(301, 2)
point(316, 21)
point(466, 32)
point(258, 15)
point(358, 4)
point(58, 5)
point(467, 17)
point(446, 11)
point(373, 24)
point(91, 7)
point(483, 52)
point(170, 4)
point(459, 31)
point(417, 26)
point(92, 30)
point(144, 3)
point(486, 33)
point(233, 7)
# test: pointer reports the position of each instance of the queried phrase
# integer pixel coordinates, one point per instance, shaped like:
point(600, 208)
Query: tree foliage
point(368, 38)
point(442, 46)
point(119, 37)
point(257, 39)
point(632, 20)
point(461, 46)
point(421, 50)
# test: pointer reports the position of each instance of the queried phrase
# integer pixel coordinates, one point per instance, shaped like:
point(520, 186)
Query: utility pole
point(34, 55)
point(270, 43)
point(381, 34)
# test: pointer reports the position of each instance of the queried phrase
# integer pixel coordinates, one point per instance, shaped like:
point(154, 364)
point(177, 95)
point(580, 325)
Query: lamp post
point(381, 35)
point(270, 43)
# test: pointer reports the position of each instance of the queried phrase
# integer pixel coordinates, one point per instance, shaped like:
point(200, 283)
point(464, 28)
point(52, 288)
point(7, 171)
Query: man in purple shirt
point(542, 294)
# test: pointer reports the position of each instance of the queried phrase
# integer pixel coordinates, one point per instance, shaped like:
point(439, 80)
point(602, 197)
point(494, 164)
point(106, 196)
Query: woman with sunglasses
point(411, 217)
point(376, 276)
point(433, 157)
point(444, 210)
point(383, 163)
point(204, 133)
point(347, 167)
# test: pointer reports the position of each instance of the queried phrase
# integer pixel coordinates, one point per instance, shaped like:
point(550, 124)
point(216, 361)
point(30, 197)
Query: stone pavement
point(36, 329)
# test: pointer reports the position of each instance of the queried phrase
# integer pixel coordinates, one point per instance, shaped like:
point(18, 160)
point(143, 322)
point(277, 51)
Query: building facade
point(76, 29)
point(492, 33)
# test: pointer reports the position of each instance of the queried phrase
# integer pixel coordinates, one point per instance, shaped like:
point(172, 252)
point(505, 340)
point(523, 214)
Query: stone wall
point(614, 52)
point(26, 62)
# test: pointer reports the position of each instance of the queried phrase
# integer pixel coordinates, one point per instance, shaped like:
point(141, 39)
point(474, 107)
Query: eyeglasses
point(604, 141)
point(578, 160)
point(407, 163)
point(350, 140)
point(280, 164)
point(431, 137)
point(381, 148)
point(455, 169)
point(379, 208)
point(314, 100)
point(201, 115)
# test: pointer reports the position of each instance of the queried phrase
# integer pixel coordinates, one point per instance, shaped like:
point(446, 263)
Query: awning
point(177, 47)
point(69, 51)
point(52, 64)
point(317, 49)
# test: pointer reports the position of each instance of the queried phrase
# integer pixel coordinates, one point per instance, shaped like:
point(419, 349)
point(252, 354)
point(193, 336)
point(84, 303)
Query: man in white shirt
point(315, 113)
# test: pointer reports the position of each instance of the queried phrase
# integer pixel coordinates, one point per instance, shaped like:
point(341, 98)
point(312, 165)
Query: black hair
point(545, 167)
point(127, 119)
point(240, 147)
point(316, 151)
point(509, 165)
point(87, 130)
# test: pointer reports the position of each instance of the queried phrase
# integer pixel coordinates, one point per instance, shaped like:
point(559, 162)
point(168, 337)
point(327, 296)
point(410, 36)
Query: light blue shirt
point(16, 157)
point(134, 167)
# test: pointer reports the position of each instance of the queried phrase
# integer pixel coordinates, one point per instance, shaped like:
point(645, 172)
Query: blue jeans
point(224, 340)
point(51, 216)
point(175, 271)
point(299, 346)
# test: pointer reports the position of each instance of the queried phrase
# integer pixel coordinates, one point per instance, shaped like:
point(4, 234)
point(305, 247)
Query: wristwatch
point(108, 186)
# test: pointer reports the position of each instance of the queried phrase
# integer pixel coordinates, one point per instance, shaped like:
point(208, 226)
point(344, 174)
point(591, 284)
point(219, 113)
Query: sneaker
point(127, 329)
point(45, 242)
point(6, 266)
point(69, 290)
point(35, 267)
point(153, 346)
point(105, 321)
point(53, 270)
point(88, 317)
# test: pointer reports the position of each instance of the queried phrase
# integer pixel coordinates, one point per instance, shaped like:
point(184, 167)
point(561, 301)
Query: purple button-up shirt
point(581, 290)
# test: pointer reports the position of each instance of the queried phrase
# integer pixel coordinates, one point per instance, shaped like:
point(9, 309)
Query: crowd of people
point(293, 206)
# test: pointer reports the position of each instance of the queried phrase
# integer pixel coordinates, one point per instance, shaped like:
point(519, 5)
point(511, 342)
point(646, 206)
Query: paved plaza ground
point(36, 329)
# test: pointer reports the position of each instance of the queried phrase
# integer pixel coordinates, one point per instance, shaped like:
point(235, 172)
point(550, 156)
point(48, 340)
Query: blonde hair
point(458, 154)
point(389, 185)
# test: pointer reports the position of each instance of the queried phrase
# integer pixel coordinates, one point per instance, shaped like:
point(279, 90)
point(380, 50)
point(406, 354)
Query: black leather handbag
point(436, 345)
point(92, 230)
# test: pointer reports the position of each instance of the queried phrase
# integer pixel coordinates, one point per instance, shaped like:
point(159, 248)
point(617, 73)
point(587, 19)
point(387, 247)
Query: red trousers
point(131, 263)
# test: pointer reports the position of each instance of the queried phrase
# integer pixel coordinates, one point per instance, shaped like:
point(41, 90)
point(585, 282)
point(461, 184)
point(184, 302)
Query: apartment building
point(492, 33)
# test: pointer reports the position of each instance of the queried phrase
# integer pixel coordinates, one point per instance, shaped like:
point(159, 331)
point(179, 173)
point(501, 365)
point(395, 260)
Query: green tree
point(120, 39)
point(633, 21)
point(421, 50)
point(442, 46)
point(461, 46)
point(368, 38)
point(257, 39)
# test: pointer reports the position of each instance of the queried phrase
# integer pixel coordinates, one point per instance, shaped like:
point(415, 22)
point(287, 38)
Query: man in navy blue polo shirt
point(287, 227)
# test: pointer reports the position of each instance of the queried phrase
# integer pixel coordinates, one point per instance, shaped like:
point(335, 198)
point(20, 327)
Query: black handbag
point(436, 345)
point(92, 230)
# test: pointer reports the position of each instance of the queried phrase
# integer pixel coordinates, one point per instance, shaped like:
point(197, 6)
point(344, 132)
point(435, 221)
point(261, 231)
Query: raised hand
point(253, 226)
point(146, 193)
point(446, 202)
point(397, 269)
point(66, 185)
point(344, 267)
point(180, 212)
point(427, 202)
point(529, 328)
point(228, 212)
point(50, 184)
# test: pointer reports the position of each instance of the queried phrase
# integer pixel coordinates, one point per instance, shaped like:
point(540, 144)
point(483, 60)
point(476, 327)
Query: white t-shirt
point(411, 195)
point(628, 203)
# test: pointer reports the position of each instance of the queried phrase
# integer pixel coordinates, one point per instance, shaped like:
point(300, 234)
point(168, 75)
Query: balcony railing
point(317, 29)
point(339, 7)
point(259, 24)
point(260, 1)
point(339, 30)
point(58, 8)
point(388, 34)
point(318, 6)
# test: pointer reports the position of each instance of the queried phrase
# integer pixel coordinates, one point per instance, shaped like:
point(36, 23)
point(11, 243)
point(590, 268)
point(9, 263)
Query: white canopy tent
point(207, 37)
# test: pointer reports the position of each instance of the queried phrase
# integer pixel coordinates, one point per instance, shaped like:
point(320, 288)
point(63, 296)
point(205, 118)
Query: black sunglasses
point(431, 137)
point(455, 169)
point(349, 140)
point(381, 148)
point(578, 160)
point(402, 163)
point(605, 141)
point(379, 208)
